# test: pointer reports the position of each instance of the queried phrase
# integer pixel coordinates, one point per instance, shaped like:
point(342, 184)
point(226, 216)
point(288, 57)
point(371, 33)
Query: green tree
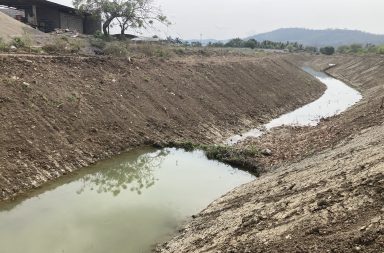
point(252, 43)
point(310, 49)
point(327, 50)
point(380, 49)
point(343, 49)
point(235, 43)
point(356, 48)
point(127, 13)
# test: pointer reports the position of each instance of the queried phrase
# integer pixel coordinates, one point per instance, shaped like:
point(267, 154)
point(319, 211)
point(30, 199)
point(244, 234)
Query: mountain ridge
point(316, 37)
point(312, 37)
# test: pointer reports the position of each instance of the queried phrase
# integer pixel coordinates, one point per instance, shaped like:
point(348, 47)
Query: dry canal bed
point(126, 204)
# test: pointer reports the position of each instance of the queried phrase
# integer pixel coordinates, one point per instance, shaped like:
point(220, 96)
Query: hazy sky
point(223, 19)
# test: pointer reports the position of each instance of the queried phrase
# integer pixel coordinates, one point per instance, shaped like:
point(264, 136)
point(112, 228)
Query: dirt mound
point(11, 28)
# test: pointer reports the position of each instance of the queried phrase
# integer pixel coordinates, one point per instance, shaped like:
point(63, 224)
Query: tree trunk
point(106, 24)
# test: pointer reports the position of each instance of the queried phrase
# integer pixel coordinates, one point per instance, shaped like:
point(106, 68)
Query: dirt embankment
point(326, 191)
point(11, 28)
point(59, 114)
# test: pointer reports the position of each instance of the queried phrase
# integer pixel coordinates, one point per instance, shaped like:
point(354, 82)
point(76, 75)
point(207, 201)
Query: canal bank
point(323, 191)
point(61, 114)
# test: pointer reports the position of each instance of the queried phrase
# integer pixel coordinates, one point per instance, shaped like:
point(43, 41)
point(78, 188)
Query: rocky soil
point(324, 191)
point(59, 114)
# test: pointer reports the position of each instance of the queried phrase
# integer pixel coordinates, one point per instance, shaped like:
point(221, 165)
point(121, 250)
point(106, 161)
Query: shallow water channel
point(125, 204)
point(337, 98)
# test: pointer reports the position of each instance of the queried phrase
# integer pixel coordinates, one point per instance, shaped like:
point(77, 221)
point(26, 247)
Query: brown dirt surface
point(325, 188)
point(59, 114)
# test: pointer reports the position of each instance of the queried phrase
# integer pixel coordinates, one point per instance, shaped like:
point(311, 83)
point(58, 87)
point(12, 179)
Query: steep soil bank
point(327, 194)
point(62, 113)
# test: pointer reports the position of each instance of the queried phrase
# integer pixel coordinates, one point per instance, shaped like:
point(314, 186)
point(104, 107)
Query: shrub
point(327, 50)
point(3, 45)
point(356, 48)
point(22, 42)
point(98, 43)
point(343, 49)
point(98, 35)
point(58, 46)
point(380, 49)
point(75, 45)
point(64, 45)
point(116, 48)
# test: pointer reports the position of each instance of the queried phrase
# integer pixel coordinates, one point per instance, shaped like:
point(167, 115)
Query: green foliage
point(356, 48)
point(310, 49)
point(216, 44)
point(3, 45)
point(253, 44)
point(21, 42)
point(99, 35)
point(196, 44)
point(380, 49)
point(116, 48)
point(237, 42)
point(327, 50)
point(360, 49)
point(127, 13)
point(237, 156)
point(64, 45)
point(343, 49)
point(98, 42)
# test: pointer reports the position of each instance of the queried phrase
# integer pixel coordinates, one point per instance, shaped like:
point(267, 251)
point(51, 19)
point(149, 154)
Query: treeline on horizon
point(296, 47)
point(266, 44)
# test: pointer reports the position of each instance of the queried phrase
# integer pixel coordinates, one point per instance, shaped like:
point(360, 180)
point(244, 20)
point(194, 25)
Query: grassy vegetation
point(3, 45)
point(243, 157)
point(361, 49)
point(22, 43)
point(64, 44)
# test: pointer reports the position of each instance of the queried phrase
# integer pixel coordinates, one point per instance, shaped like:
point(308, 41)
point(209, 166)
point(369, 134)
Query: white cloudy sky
point(222, 19)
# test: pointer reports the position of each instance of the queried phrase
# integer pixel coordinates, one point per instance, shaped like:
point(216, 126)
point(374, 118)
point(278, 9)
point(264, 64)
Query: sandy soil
point(325, 188)
point(59, 114)
point(11, 28)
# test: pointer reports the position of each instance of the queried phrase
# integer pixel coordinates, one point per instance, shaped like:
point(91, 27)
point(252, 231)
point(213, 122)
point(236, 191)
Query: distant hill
point(329, 37)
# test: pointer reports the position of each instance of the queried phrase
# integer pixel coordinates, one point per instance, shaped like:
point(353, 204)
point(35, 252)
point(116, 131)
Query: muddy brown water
point(337, 98)
point(125, 204)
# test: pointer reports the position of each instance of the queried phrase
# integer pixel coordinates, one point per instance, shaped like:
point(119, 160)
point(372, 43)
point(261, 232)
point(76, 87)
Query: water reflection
point(116, 175)
point(94, 210)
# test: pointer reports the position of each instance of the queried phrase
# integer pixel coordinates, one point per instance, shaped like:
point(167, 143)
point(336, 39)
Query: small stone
point(357, 248)
point(376, 220)
point(26, 84)
point(266, 152)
